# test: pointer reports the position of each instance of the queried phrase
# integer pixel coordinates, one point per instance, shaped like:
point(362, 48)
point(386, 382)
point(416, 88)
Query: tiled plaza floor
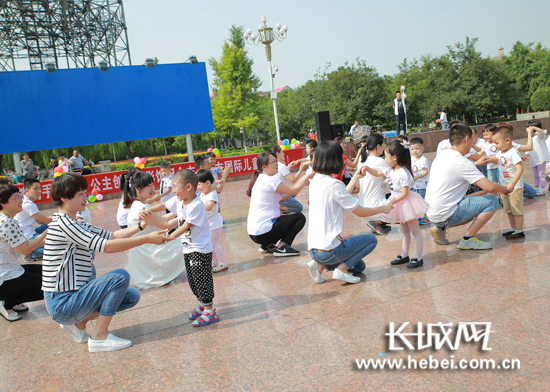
point(281, 332)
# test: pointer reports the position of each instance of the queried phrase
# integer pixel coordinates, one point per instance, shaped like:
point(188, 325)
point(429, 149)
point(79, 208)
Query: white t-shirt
point(264, 205)
point(548, 147)
point(507, 162)
point(197, 238)
point(372, 190)
point(172, 205)
point(85, 215)
point(11, 236)
point(450, 177)
point(215, 219)
point(78, 163)
point(399, 178)
point(166, 183)
point(418, 166)
point(25, 219)
point(122, 213)
point(490, 149)
point(539, 154)
point(283, 171)
point(443, 117)
point(328, 201)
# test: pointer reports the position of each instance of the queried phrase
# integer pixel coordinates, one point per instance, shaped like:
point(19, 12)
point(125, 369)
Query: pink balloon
point(65, 169)
point(280, 142)
point(298, 144)
point(136, 160)
point(143, 161)
point(56, 170)
point(292, 146)
point(209, 150)
point(99, 197)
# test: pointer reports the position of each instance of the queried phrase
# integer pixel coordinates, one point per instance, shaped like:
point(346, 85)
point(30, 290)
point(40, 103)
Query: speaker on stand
point(337, 130)
point(322, 124)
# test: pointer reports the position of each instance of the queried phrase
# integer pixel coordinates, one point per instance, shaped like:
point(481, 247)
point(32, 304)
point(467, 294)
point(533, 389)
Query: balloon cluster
point(215, 151)
point(95, 196)
point(60, 170)
point(140, 162)
point(289, 145)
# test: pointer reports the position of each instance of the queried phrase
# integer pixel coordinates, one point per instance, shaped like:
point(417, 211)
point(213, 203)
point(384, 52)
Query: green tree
point(235, 104)
point(540, 100)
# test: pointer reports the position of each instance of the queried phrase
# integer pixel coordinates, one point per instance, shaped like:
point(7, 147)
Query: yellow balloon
point(283, 147)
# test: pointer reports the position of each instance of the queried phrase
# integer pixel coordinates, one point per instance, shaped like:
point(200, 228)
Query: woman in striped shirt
point(73, 295)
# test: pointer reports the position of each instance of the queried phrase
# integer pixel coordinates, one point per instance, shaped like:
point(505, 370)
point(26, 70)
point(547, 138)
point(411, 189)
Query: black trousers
point(199, 274)
point(400, 119)
point(26, 288)
point(285, 228)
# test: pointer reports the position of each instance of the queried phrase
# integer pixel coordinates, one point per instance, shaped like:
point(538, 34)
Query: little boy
point(510, 167)
point(421, 170)
point(194, 232)
point(216, 171)
point(211, 202)
point(310, 145)
point(30, 214)
point(203, 162)
point(490, 150)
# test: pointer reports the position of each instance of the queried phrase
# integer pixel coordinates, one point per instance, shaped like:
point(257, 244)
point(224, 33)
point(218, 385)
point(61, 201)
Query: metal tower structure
point(67, 33)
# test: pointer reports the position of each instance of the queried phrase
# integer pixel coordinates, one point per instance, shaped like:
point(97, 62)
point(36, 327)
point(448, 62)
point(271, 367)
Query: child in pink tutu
point(408, 206)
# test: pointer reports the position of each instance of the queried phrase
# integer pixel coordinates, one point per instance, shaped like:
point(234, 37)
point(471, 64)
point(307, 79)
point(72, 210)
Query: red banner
point(110, 182)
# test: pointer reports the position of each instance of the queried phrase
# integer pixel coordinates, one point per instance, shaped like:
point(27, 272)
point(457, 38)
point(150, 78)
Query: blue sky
point(381, 32)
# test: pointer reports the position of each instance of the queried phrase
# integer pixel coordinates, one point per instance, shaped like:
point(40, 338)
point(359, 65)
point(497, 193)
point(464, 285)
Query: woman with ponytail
point(149, 265)
point(124, 205)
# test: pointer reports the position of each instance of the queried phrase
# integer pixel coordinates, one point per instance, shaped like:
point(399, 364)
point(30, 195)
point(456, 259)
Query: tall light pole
point(266, 36)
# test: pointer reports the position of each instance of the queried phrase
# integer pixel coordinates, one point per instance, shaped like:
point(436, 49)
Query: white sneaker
point(112, 343)
point(349, 278)
point(80, 335)
point(313, 269)
point(474, 243)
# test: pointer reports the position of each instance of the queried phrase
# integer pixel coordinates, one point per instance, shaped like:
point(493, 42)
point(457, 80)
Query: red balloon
point(209, 150)
point(95, 192)
point(143, 161)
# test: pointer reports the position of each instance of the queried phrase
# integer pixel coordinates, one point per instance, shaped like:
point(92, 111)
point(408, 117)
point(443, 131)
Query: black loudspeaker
point(337, 130)
point(322, 123)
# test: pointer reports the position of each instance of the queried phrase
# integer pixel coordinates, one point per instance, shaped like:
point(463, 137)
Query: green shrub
point(540, 100)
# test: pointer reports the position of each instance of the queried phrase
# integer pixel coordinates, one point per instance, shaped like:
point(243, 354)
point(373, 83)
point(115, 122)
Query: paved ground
point(281, 332)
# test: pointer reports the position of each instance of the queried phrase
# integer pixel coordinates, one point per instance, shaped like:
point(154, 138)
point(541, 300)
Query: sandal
point(20, 308)
point(13, 316)
point(196, 313)
point(206, 319)
point(220, 267)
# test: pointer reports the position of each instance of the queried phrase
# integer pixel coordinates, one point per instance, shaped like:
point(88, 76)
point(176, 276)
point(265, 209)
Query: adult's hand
point(159, 237)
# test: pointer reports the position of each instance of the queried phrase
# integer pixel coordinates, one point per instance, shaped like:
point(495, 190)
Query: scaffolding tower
point(67, 33)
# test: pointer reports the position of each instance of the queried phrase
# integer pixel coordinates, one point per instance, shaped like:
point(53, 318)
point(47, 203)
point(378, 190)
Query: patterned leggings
point(218, 257)
point(538, 175)
point(199, 275)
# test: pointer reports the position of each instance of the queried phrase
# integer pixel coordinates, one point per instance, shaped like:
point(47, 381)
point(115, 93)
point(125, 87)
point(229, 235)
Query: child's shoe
point(196, 313)
point(415, 263)
point(219, 268)
point(400, 260)
point(206, 319)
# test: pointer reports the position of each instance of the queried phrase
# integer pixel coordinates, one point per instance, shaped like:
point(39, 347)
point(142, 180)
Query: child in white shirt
point(539, 156)
point(421, 171)
point(490, 150)
point(209, 197)
point(408, 206)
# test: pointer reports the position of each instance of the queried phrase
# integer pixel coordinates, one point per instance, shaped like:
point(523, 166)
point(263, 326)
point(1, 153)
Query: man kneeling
point(450, 178)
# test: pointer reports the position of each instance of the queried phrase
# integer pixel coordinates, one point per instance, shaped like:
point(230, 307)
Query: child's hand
point(386, 209)
point(292, 164)
point(525, 157)
point(509, 189)
point(159, 237)
point(310, 175)
point(359, 174)
point(304, 166)
point(226, 169)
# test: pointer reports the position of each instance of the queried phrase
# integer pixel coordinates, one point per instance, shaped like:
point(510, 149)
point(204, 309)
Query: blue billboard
point(76, 107)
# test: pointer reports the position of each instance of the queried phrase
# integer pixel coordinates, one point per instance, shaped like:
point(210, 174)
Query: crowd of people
point(180, 227)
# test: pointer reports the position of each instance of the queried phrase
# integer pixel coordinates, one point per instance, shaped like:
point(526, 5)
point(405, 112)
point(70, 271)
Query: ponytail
point(263, 160)
point(125, 185)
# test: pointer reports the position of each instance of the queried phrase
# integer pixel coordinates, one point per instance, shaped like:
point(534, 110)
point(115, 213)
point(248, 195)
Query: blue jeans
point(421, 192)
point(528, 191)
point(108, 294)
point(469, 208)
point(349, 252)
point(292, 204)
point(483, 169)
point(39, 230)
point(492, 174)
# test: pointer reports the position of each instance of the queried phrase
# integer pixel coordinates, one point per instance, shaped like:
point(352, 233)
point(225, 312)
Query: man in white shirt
point(443, 120)
point(400, 111)
point(30, 214)
point(355, 125)
point(78, 162)
point(451, 175)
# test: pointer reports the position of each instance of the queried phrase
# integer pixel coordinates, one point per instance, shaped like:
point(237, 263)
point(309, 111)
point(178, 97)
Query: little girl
point(539, 156)
point(209, 197)
point(372, 190)
point(408, 206)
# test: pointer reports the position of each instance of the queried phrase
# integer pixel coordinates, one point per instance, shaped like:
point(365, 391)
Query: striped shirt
point(67, 262)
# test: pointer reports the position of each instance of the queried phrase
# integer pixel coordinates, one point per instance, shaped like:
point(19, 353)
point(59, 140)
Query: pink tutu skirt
point(412, 207)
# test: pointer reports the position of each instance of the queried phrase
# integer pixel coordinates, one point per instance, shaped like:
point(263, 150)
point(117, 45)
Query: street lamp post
point(266, 36)
point(403, 95)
